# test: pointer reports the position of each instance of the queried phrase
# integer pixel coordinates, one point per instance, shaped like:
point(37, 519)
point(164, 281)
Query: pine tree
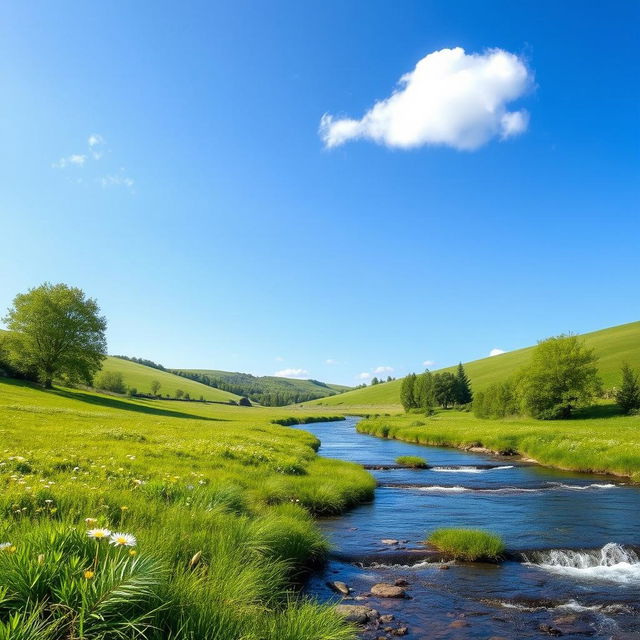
point(407, 397)
point(463, 386)
point(628, 396)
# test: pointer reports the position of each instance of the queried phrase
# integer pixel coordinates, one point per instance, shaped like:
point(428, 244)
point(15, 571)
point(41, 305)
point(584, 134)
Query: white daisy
point(98, 534)
point(123, 540)
point(5, 545)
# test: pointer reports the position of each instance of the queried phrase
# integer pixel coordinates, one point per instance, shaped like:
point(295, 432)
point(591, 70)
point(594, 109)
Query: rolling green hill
point(140, 376)
point(266, 390)
point(613, 346)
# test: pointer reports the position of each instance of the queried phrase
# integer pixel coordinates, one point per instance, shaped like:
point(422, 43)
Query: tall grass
point(415, 462)
point(221, 504)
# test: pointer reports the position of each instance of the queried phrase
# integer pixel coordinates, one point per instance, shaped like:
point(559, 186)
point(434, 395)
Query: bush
point(111, 381)
point(628, 395)
point(468, 544)
point(415, 462)
point(496, 401)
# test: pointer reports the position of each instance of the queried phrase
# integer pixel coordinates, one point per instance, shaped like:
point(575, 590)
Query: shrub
point(111, 381)
point(468, 544)
point(496, 401)
point(415, 462)
point(628, 395)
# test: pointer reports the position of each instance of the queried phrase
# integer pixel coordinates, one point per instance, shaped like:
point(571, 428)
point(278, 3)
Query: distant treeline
point(144, 361)
point(265, 391)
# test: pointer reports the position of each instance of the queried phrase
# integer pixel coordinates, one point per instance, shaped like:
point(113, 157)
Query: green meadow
point(612, 346)
point(219, 500)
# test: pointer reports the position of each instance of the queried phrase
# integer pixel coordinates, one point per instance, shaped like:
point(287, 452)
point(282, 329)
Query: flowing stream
point(575, 538)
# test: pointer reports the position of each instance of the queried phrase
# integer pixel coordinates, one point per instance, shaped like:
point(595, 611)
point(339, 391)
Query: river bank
point(599, 445)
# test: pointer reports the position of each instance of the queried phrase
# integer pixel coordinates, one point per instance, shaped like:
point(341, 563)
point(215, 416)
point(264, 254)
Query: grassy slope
point(273, 383)
point(248, 484)
point(597, 441)
point(612, 346)
point(140, 376)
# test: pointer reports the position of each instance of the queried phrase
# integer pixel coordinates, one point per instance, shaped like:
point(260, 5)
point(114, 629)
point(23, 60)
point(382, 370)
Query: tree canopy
point(58, 332)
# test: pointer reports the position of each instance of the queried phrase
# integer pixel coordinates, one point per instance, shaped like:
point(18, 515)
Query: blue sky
point(216, 229)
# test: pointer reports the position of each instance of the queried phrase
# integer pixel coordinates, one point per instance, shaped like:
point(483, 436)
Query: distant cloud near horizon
point(383, 370)
point(292, 373)
point(365, 375)
point(496, 352)
point(331, 361)
point(428, 363)
point(450, 99)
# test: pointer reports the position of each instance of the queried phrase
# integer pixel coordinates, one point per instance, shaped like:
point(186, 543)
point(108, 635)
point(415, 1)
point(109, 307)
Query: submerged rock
point(401, 582)
point(384, 590)
point(339, 587)
point(390, 541)
point(400, 631)
point(387, 617)
point(358, 613)
point(552, 631)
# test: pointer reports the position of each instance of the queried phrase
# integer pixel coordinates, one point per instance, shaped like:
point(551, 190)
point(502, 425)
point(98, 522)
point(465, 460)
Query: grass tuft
point(468, 544)
point(415, 462)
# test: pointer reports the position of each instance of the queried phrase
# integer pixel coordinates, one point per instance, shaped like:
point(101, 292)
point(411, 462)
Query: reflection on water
point(579, 593)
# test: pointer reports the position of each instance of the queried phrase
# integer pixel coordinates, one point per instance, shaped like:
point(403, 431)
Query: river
point(580, 577)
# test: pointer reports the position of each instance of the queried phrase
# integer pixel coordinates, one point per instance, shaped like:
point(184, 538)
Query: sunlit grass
point(415, 462)
point(219, 499)
point(467, 544)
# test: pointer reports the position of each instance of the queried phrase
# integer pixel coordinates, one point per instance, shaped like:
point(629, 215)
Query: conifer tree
point(463, 386)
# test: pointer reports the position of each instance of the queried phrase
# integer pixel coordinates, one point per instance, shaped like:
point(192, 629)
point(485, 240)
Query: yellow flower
point(133, 552)
point(90, 521)
point(88, 574)
point(124, 508)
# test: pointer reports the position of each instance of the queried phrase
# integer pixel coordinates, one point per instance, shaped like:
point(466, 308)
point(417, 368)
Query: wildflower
point(133, 552)
point(88, 574)
point(123, 540)
point(90, 521)
point(124, 508)
point(48, 501)
point(5, 546)
point(41, 558)
point(98, 534)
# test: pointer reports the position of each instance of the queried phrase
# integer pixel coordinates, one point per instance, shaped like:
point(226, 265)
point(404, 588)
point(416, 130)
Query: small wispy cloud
point(117, 180)
point(331, 361)
point(96, 143)
point(451, 99)
point(75, 159)
point(279, 359)
point(96, 149)
point(496, 352)
point(382, 369)
point(292, 373)
point(365, 375)
point(428, 363)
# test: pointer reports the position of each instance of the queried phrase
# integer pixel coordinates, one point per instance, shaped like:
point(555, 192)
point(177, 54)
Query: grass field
point(140, 376)
point(219, 498)
point(612, 346)
point(596, 442)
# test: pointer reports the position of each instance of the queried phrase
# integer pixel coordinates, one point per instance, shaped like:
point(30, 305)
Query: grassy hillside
point(267, 390)
point(139, 376)
point(612, 346)
point(219, 500)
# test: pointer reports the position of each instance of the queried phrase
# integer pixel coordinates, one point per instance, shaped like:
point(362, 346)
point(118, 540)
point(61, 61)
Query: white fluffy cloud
point(364, 375)
point(428, 363)
point(96, 144)
point(496, 352)
point(451, 98)
point(383, 370)
point(292, 373)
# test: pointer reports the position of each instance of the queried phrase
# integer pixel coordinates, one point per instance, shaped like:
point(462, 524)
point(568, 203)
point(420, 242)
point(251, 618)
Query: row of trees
point(428, 390)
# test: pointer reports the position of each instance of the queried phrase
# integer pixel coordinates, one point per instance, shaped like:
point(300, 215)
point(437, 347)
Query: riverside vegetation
point(219, 501)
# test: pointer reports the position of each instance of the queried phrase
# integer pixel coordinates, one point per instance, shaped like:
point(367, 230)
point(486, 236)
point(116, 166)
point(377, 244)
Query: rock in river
point(384, 590)
point(389, 541)
point(339, 586)
point(357, 613)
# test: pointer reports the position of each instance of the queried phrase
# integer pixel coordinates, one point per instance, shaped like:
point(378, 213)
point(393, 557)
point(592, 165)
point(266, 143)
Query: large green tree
point(561, 377)
point(445, 386)
point(57, 331)
point(423, 392)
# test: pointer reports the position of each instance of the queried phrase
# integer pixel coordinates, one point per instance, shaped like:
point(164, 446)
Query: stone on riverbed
point(384, 590)
point(339, 587)
point(357, 613)
point(389, 541)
